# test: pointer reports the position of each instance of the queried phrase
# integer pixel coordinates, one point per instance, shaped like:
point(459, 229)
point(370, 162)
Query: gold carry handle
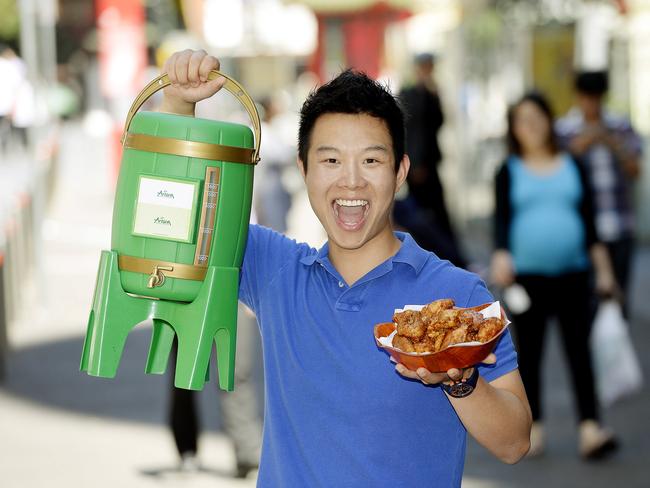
point(231, 85)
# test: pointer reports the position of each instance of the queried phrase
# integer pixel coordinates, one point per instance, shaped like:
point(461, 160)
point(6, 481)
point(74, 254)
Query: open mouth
point(350, 214)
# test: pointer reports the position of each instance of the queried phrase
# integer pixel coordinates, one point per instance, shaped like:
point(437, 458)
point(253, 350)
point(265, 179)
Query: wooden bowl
point(454, 356)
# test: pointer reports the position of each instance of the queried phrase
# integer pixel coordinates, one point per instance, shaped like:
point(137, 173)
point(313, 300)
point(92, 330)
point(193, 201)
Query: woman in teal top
point(546, 242)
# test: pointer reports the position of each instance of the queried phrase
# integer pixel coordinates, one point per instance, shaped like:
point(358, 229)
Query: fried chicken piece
point(409, 324)
point(435, 338)
point(431, 310)
point(413, 345)
point(423, 346)
point(445, 319)
point(403, 343)
point(488, 329)
point(455, 336)
point(470, 318)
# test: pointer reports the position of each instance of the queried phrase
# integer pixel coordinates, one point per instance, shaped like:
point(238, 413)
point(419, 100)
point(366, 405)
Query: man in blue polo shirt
point(336, 413)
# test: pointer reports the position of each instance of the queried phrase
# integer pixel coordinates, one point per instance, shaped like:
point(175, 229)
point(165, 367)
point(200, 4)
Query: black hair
point(424, 58)
point(352, 92)
point(591, 82)
point(540, 101)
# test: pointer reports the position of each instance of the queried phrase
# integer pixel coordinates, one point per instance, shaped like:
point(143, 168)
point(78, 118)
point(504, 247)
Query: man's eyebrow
point(377, 147)
point(326, 148)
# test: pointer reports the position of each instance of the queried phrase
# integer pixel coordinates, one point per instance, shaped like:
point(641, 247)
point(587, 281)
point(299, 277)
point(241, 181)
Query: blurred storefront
point(353, 33)
point(265, 44)
point(122, 55)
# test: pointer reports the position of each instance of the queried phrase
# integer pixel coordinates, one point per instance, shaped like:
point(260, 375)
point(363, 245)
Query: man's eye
point(331, 161)
point(371, 160)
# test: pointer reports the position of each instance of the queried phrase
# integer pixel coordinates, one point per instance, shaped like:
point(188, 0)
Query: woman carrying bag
point(546, 243)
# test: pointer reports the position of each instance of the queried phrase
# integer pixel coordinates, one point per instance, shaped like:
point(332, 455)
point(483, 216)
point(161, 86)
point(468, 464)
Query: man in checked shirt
point(611, 152)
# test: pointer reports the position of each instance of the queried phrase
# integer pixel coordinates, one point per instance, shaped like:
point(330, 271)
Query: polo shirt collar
point(409, 253)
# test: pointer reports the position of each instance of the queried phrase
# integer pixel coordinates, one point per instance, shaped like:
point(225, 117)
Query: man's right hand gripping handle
point(188, 73)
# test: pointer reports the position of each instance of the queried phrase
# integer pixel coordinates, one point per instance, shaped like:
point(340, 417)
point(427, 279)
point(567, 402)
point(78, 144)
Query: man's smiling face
point(351, 178)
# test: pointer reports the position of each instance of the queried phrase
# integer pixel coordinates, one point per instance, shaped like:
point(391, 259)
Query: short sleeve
point(267, 252)
point(504, 350)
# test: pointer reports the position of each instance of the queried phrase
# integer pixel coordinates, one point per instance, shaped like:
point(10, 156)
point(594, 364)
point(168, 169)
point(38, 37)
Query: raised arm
point(188, 73)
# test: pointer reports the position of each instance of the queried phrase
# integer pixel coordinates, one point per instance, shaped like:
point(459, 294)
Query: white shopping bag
point(616, 367)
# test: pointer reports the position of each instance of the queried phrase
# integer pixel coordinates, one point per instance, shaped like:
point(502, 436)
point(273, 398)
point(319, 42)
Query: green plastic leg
point(212, 316)
point(90, 329)
point(87, 342)
point(162, 340)
point(226, 342)
point(225, 334)
point(113, 315)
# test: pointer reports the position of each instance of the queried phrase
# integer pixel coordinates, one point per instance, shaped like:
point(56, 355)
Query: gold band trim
point(191, 149)
point(149, 266)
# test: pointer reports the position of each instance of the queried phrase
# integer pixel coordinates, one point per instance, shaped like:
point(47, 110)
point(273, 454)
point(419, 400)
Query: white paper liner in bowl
point(493, 310)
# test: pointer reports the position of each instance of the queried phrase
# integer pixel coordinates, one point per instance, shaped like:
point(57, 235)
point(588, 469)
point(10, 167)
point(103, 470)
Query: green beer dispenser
point(180, 223)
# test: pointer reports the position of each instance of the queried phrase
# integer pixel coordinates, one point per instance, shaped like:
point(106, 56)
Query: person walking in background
point(611, 152)
point(12, 80)
point(271, 199)
point(423, 212)
point(546, 242)
point(239, 408)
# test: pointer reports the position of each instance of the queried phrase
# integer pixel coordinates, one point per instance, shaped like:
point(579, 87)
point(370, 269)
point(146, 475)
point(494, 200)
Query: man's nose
point(352, 176)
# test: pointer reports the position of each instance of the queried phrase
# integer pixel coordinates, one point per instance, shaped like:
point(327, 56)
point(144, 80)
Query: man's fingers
point(455, 374)
point(208, 63)
point(216, 84)
point(404, 371)
point(181, 67)
point(193, 74)
point(188, 69)
point(426, 376)
point(170, 68)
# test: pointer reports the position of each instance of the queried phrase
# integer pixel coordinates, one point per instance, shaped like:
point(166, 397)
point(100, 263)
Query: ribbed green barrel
point(141, 206)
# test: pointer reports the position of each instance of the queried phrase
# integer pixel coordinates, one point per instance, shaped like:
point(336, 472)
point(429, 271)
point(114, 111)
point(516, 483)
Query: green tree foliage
point(9, 21)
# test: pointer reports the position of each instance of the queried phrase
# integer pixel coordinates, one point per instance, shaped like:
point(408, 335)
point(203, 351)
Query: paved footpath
point(61, 428)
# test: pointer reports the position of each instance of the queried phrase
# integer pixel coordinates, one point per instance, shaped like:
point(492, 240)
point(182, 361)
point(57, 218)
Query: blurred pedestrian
point(271, 198)
point(239, 408)
point(610, 149)
point(423, 211)
point(12, 77)
point(24, 113)
point(546, 242)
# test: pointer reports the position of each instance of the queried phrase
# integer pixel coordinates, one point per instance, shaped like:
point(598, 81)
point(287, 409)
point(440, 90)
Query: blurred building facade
point(489, 52)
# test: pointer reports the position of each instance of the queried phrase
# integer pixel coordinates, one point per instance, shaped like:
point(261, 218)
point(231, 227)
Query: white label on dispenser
point(165, 208)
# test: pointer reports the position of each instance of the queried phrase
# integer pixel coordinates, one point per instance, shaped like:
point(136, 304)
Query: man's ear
point(402, 171)
point(302, 168)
